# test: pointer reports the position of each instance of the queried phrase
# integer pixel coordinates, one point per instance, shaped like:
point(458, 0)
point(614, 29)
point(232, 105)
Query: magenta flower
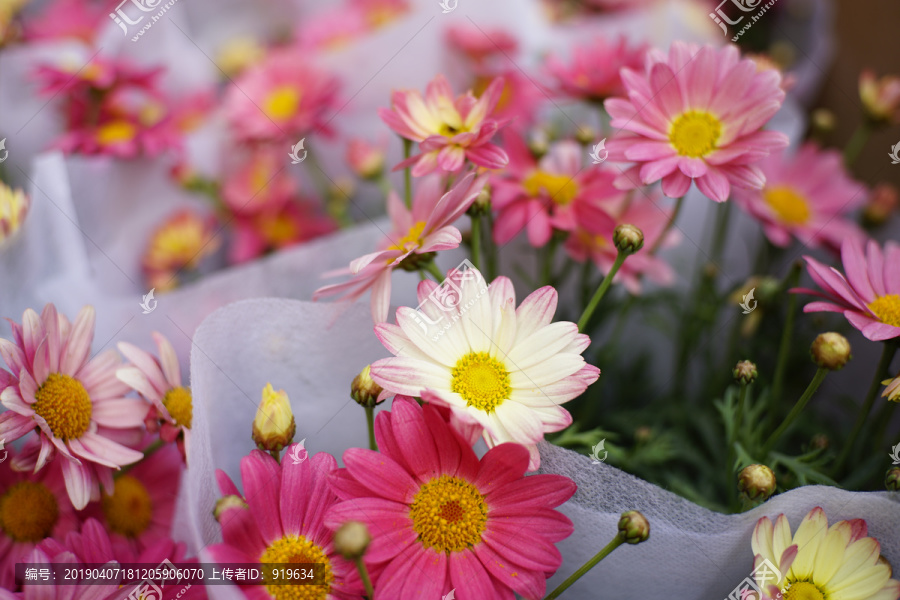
point(428, 227)
point(284, 522)
point(540, 196)
point(449, 131)
point(592, 73)
point(807, 197)
point(442, 519)
point(867, 293)
point(72, 402)
point(696, 114)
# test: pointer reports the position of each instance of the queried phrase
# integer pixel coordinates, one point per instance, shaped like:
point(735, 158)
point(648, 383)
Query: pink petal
point(78, 346)
point(262, 489)
point(380, 474)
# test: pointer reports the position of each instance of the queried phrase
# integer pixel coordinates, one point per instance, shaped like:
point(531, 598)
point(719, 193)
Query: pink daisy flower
point(442, 519)
point(480, 45)
point(258, 182)
point(806, 197)
point(277, 227)
point(500, 369)
point(449, 131)
point(428, 227)
point(32, 507)
point(158, 381)
point(74, 403)
point(284, 522)
point(592, 73)
point(696, 114)
point(281, 97)
point(140, 509)
point(541, 195)
point(62, 19)
point(867, 293)
point(593, 240)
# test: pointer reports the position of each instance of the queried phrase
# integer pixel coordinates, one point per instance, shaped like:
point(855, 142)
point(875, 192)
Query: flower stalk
point(817, 380)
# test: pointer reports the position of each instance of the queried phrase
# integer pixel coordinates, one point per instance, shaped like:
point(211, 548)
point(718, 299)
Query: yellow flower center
point(298, 550)
point(481, 380)
point(129, 509)
point(283, 102)
point(278, 229)
point(562, 189)
point(178, 402)
point(28, 512)
point(695, 133)
point(790, 207)
point(115, 132)
point(64, 403)
point(413, 237)
point(887, 309)
point(803, 590)
point(449, 514)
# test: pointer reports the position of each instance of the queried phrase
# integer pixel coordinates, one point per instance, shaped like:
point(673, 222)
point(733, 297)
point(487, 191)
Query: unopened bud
point(756, 482)
point(745, 372)
point(482, 204)
point(273, 427)
point(585, 135)
point(880, 97)
point(352, 539)
point(366, 160)
point(882, 203)
point(226, 503)
point(634, 527)
point(628, 238)
point(539, 143)
point(820, 441)
point(892, 479)
point(364, 390)
point(830, 351)
point(643, 434)
point(823, 120)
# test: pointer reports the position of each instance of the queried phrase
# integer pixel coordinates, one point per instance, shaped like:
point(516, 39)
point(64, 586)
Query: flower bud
point(634, 527)
point(539, 143)
point(366, 160)
point(820, 441)
point(364, 390)
point(756, 482)
point(628, 239)
point(352, 539)
point(643, 434)
point(830, 351)
point(823, 120)
point(892, 391)
point(745, 372)
point(237, 54)
point(273, 427)
point(882, 202)
point(880, 97)
point(585, 135)
point(227, 502)
point(14, 206)
point(482, 204)
point(892, 479)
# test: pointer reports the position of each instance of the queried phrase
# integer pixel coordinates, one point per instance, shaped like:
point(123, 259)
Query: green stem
point(370, 423)
point(738, 419)
point(149, 450)
point(856, 144)
point(598, 295)
point(795, 412)
point(547, 262)
point(607, 550)
point(491, 250)
point(656, 244)
point(881, 371)
point(407, 174)
point(784, 349)
point(276, 455)
point(364, 575)
point(384, 184)
point(720, 231)
point(476, 241)
point(435, 272)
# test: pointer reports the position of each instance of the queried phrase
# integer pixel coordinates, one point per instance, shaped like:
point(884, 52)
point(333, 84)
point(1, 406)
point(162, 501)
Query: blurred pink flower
point(179, 244)
point(593, 239)
point(520, 97)
point(867, 293)
point(365, 159)
point(540, 195)
point(73, 402)
point(259, 181)
point(277, 227)
point(428, 227)
point(592, 73)
point(806, 196)
point(449, 131)
point(281, 97)
point(480, 44)
point(696, 115)
point(66, 19)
